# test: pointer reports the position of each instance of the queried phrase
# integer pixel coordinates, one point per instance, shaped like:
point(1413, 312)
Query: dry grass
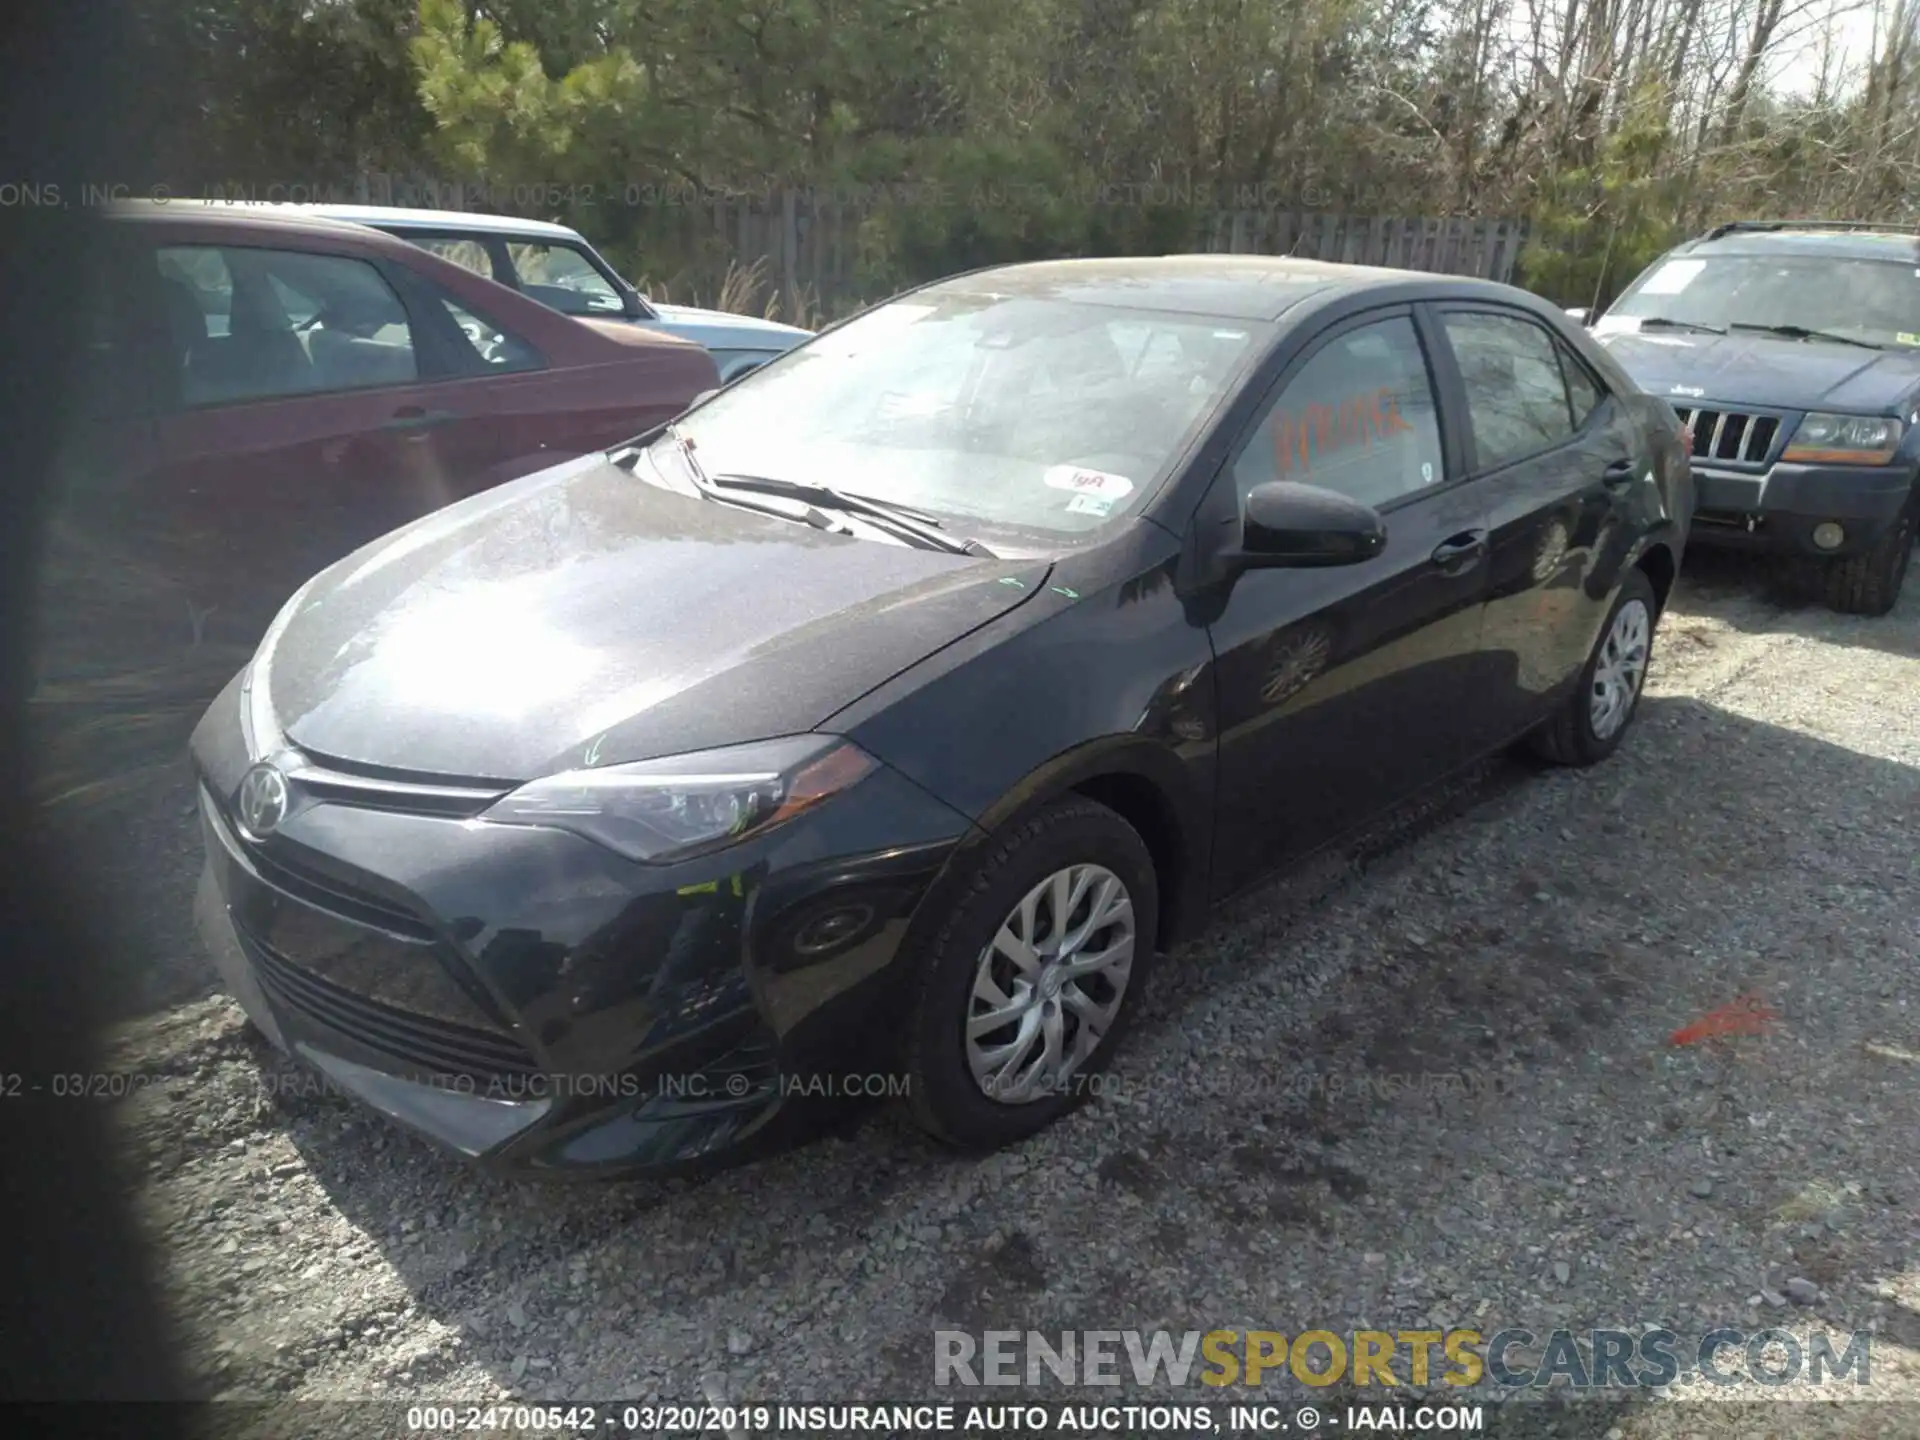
point(743, 290)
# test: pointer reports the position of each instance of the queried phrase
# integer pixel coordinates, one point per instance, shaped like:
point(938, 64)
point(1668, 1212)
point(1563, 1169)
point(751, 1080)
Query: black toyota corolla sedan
point(884, 715)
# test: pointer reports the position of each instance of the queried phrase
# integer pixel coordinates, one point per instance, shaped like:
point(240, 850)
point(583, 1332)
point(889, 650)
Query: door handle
point(1619, 473)
point(418, 417)
point(1459, 553)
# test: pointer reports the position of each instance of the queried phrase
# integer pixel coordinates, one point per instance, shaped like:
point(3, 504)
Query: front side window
point(563, 279)
point(1358, 418)
point(257, 324)
point(1872, 301)
point(1017, 412)
point(1516, 392)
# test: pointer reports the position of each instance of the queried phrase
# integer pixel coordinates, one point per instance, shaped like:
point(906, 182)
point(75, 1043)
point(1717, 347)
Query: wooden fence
point(815, 247)
point(1489, 249)
point(808, 243)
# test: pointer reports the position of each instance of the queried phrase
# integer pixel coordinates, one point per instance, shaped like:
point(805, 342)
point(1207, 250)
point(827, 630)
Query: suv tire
point(1869, 583)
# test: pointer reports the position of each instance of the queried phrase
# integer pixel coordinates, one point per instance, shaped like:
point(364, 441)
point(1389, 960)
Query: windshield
point(1005, 412)
point(1877, 301)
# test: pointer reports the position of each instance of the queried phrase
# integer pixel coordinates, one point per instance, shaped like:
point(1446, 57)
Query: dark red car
point(270, 391)
point(263, 394)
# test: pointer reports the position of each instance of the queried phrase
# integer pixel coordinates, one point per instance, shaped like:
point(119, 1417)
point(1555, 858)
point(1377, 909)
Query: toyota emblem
point(262, 800)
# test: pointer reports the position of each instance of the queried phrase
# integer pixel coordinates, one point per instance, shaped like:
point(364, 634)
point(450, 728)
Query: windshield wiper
point(914, 525)
point(1667, 322)
point(921, 528)
point(806, 514)
point(1801, 332)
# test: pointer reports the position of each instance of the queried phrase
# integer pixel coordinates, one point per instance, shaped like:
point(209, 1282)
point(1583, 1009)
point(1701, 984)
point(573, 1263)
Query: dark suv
point(1792, 351)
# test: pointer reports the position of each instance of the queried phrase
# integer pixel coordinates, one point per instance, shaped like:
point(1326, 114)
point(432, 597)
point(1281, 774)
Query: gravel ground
point(1280, 1149)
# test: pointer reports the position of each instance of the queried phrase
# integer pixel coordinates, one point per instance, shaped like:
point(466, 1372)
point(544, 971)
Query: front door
point(1342, 690)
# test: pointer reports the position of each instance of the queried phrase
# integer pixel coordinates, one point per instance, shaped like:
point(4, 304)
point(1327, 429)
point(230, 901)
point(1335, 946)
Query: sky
point(1850, 22)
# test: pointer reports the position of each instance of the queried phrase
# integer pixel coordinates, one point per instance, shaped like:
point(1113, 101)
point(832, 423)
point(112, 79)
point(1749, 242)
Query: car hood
point(1763, 370)
point(720, 330)
point(583, 615)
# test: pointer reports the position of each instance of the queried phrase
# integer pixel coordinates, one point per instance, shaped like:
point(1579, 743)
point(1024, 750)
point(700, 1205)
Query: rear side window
point(258, 324)
point(497, 349)
point(1516, 392)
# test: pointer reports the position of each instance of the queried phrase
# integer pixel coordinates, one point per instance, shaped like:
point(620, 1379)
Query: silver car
point(556, 266)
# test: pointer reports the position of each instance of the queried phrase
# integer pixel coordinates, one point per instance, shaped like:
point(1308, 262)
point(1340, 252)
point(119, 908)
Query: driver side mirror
point(1580, 315)
point(1291, 526)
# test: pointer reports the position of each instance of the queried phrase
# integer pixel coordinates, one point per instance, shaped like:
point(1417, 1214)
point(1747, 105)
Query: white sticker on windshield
point(1089, 482)
point(1672, 277)
point(1089, 505)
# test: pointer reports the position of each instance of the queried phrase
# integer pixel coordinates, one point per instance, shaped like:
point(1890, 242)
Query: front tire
point(1595, 718)
point(1030, 982)
point(1869, 583)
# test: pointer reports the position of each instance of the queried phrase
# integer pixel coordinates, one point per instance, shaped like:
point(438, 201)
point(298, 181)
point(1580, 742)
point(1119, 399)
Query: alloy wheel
point(1049, 985)
point(1620, 669)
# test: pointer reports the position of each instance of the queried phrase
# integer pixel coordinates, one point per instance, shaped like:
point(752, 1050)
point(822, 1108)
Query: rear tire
point(1002, 950)
point(1869, 583)
point(1599, 712)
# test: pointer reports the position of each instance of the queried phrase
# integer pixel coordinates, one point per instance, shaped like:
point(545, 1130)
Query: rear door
point(521, 406)
point(1342, 690)
point(1557, 462)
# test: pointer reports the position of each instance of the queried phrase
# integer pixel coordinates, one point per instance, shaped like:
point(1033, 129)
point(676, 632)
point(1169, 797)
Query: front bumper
point(1777, 510)
point(532, 1002)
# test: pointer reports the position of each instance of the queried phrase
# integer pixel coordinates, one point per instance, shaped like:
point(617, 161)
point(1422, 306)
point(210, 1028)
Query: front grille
point(1731, 436)
point(371, 787)
point(439, 1047)
point(323, 891)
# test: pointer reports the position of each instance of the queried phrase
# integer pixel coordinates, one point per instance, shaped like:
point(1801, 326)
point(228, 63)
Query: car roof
point(237, 213)
point(1813, 239)
point(1238, 287)
point(452, 221)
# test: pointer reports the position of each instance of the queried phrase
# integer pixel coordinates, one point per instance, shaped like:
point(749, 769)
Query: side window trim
point(505, 272)
point(1480, 471)
point(1571, 364)
point(1255, 425)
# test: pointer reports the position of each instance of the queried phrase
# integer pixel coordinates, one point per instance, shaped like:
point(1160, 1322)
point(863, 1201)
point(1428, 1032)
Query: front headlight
point(1844, 440)
point(681, 805)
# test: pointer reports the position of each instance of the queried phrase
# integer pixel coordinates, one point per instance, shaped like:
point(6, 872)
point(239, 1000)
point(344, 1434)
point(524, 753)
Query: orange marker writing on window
point(1319, 430)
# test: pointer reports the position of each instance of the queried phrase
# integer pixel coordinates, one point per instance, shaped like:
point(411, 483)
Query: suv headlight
point(682, 805)
point(1844, 440)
